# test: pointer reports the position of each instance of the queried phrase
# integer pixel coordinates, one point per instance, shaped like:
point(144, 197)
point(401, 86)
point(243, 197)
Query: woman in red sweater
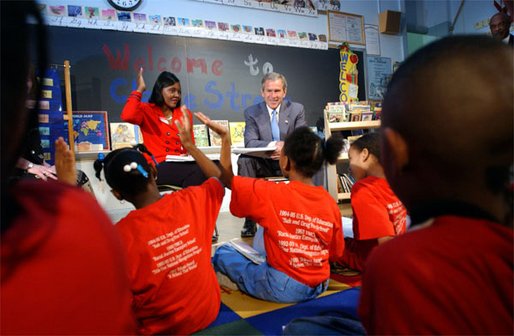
point(156, 120)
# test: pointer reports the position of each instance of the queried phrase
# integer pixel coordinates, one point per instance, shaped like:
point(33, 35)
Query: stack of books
point(204, 137)
point(360, 111)
point(346, 182)
point(336, 112)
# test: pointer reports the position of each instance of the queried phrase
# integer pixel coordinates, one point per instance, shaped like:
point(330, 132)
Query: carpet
point(241, 314)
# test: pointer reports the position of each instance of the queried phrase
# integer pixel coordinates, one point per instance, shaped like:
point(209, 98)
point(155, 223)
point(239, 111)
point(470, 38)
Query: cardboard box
point(389, 22)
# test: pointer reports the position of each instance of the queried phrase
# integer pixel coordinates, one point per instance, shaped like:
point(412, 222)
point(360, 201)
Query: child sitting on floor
point(378, 215)
point(448, 155)
point(302, 224)
point(168, 239)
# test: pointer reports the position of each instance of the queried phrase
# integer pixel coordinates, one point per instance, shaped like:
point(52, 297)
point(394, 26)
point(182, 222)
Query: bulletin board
point(346, 27)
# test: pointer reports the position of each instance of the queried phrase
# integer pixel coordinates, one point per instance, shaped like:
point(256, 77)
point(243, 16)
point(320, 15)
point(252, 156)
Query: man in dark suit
point(499, 25)
point(267, 125)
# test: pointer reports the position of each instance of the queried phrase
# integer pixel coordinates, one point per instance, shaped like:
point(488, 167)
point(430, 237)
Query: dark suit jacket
point(258, 124)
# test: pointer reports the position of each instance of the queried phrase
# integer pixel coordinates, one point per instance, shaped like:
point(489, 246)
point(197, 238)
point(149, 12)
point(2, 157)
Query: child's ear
point(397, 148)
point(364, 154)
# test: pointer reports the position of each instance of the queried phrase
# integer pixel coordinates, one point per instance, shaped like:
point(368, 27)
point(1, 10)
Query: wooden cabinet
point(332, 178)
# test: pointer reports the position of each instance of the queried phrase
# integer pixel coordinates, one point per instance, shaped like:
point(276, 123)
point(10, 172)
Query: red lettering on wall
point(161, 66)
point(117, 63)
point(216, 67)
point(191, 63)
point(176, 65)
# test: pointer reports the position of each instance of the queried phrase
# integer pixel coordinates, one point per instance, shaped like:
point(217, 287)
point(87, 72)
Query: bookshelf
point(332, 170)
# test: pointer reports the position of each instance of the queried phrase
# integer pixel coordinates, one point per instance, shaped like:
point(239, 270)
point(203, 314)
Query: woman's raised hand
point(141, 86)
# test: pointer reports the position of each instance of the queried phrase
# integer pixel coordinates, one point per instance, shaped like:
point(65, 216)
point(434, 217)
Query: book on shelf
point(124, 134)
point(336, 112)
point(346, 182)
point(237, 132)
point(214, 138)
point(360, 111)
point(201, 135)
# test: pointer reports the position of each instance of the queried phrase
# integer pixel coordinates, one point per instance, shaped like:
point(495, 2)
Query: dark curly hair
point(129, 181)
point(370, 141)
point(308, 151)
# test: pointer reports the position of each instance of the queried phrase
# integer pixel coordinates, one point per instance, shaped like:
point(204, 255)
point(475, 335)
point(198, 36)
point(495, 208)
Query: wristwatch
point(30, 165)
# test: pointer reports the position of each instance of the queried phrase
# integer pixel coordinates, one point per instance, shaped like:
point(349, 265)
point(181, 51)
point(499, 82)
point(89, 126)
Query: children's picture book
point(201, 135)
point(247, 251)
point(214, 138)
point(336, 112)
point(125, 134)
point(90, 131)
point(237, 131)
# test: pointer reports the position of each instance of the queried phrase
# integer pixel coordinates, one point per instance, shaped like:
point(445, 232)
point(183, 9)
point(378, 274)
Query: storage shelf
point(353, 125)
point(331, 170)
point(343, 156)
point(343, 196)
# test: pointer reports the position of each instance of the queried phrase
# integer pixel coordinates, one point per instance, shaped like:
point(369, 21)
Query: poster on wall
point(91, 131)
point(372, 40)
point(379, 72)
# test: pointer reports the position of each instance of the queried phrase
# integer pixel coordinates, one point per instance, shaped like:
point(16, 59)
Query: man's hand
point(184, 129)
point(276, 154)
point(65, 163)
point(43, 172)
point(217, 128)
point(141, 86)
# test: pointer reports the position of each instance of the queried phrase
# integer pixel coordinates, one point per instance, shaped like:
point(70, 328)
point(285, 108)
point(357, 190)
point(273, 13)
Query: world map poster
point(90, 131)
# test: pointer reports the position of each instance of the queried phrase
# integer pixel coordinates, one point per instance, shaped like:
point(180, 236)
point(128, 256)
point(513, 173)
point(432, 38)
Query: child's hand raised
point(184, 128)
point(65, 163)
point(221, 130)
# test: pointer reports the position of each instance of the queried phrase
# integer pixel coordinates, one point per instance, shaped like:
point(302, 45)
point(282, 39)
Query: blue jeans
point(262, 281)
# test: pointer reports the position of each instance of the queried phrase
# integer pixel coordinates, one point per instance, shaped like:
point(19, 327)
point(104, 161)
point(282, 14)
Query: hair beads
point(133, 165)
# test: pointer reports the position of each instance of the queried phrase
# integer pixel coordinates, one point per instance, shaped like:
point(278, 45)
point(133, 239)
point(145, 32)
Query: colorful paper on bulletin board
point(51, 124)
point(91, 131)
point(348, 74)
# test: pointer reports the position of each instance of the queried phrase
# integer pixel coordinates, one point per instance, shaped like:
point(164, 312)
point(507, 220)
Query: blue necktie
point(274, 126)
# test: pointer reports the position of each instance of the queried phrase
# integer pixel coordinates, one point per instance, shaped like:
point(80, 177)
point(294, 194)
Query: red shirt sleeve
point(247, 200)
point(132, 110)
point(356, 252)
point(370, 216)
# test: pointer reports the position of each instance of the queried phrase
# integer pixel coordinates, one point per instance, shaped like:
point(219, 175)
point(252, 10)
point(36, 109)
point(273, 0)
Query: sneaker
point(249, 229)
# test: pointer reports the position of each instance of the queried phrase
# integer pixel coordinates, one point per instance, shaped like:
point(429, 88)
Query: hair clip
point(101, 157)
point(133, 165)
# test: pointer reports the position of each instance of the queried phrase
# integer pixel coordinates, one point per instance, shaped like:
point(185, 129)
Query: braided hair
point(126, 170)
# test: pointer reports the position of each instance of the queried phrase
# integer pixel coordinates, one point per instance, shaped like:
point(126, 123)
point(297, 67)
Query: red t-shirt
point(302, 225)
point(160, 135)
point(453, 277)
point(63, 267)
point(168, 246)
point(377, 212)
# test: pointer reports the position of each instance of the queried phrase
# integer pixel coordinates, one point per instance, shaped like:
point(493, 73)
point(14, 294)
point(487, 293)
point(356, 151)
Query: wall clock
point(125, 5)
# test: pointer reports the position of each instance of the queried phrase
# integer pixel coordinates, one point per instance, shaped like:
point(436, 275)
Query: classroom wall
point(426, 13)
